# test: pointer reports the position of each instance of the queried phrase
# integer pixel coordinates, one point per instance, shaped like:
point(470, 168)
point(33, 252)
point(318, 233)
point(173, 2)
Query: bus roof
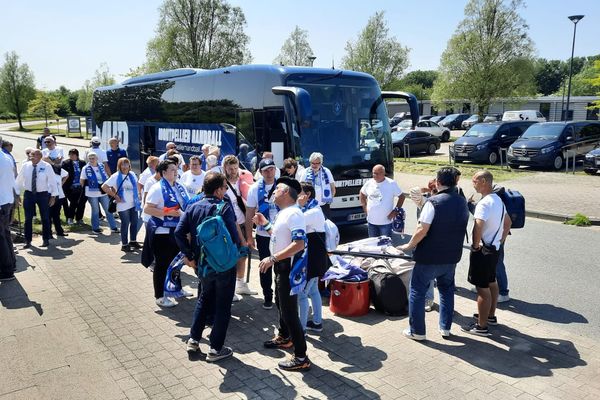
point(267, 69)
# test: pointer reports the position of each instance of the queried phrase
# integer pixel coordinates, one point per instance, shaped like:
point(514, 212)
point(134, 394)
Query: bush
point(579, 220)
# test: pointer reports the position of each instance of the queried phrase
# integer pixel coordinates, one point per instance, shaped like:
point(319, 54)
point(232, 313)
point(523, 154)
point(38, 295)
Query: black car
point(437, 118)
point(591, 164)
point(418, 142)
point(425, 117)
point(453, 121)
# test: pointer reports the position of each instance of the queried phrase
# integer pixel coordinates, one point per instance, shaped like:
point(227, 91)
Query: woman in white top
point(122, 186)
point(93, 175)
point(165, 204)
point(193, 178)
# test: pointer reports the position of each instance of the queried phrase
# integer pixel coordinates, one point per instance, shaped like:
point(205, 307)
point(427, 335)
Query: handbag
point(112, 202)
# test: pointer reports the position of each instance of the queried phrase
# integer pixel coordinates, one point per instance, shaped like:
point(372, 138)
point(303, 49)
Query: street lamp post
point(575, 19)
point(312, 60)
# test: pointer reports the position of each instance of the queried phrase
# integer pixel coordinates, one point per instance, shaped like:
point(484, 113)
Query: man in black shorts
point(490, 229)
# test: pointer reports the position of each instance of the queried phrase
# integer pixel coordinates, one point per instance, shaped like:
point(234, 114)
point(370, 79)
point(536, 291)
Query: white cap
point(96, 139)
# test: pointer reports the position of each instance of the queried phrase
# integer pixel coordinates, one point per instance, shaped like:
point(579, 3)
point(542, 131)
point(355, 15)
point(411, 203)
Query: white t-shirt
point(101, 154)
point(147, 173)
point(240, 217)
point(155, 197)
point(127, 200)
point(380, 200)
point(192, 183)
point(93, 193)
point(427, 213)
point(59, 178)
point(149, 183)
point(289, 225)
point(319, 182)
point(491, 210)
point(252, 202)
point(258, 175)
point(315, 220)
point(56, 152)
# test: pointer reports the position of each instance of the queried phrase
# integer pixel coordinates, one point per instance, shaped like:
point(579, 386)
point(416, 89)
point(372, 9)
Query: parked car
point(453, 121)
point(591, 164)
point(482, 143)
point(425, 126)
point(521, 115)
point(545, 144)
point(419, 142)
point(472, 120)
point(437, 118)
point(492, 118)
point(425, 117)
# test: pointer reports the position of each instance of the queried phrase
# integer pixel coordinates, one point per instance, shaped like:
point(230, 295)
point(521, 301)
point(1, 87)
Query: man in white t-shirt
point(52, 154)
point(377, 200)
point(259, 200)
point(193, 178)
point(490, 229)
point(288, 236)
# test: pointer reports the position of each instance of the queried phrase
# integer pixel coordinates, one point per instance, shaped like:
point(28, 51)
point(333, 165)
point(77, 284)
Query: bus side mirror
point(301, 100)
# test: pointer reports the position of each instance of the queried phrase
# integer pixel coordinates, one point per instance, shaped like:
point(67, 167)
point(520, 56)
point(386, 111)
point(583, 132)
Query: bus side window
point(246, 138)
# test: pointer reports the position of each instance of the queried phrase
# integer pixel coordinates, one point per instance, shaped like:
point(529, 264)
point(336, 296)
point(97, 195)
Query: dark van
point(483, 141)
point(545, 144)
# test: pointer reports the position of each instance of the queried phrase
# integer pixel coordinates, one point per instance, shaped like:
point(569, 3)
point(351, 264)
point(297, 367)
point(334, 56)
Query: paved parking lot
point(80, 322)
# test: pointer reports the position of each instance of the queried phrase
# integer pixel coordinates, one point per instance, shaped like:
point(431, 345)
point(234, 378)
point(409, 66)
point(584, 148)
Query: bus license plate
point(463, 154)
point(354, 217)
point(524, 158)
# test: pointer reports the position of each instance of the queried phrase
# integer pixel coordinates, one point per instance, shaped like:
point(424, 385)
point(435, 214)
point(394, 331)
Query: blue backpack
point(217, 249)
point(515, 205)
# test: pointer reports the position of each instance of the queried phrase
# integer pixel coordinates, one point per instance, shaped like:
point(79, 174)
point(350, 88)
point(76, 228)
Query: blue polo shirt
point(113, 156)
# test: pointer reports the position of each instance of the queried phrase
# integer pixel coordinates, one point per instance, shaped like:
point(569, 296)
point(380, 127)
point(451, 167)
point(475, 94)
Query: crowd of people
point(280, 213)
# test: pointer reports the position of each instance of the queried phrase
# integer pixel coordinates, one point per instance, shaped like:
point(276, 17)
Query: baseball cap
point(291, 182)
point(96, 139)
point(266, 163)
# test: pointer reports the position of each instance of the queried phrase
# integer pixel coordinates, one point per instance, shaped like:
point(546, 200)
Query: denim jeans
point(310, 291)
point(501, 277)
point(95, 203)
point(420, 280)
point(215, 295)
point(266, 278)
point(129, 220)
point(380, 230)
point(40, 199)
point(430, 295)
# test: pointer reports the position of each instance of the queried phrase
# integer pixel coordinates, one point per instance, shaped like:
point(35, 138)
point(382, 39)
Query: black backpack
point(515, 205)
point(388, 293)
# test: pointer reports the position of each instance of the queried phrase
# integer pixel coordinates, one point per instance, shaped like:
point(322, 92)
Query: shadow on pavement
point(546, 312)
point(512, 353)
point(246, 379)
point(13, 296)
point(52, 251)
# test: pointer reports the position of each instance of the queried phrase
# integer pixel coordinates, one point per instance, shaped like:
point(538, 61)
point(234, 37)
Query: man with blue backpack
point(212, 249)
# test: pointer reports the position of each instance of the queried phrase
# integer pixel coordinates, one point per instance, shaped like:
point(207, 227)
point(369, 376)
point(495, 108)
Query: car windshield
point(449, 117)
point(482, 130)
point(543, 131)
point(348, 112)
point(406, 124)
point(399, 135)
point(473, 118)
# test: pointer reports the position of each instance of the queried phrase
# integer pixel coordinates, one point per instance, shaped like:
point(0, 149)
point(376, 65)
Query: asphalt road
point(553, 272)
point(552, 268)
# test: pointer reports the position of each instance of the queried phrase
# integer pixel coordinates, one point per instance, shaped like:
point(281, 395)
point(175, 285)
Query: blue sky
point(64, 42)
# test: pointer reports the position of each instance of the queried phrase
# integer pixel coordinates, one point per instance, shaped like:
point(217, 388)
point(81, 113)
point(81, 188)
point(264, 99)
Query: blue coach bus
point(289, 111)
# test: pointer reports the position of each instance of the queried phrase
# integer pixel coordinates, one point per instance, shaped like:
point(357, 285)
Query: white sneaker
point(165, 302)
point(241, 287)
point(445, 333)
point(70, 221)
point(503, 298)
point(407, 332)
point(428, 305)
point(192, 345)
point(236, 298)
point(186, 293)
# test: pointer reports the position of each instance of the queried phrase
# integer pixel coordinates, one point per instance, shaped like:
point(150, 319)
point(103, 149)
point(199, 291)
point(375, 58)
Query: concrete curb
point(556, 217)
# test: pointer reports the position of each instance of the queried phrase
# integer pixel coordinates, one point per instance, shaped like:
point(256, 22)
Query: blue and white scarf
point(92, 179)
point(326, 196)
point(136, 199)
point(298, 274)
point(171, 202)
point(76, 174)
point(309, 205)
point(264, 206)
point(172, 286)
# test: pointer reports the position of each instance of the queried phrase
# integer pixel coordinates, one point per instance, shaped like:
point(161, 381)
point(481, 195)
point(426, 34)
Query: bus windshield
point(349, 124)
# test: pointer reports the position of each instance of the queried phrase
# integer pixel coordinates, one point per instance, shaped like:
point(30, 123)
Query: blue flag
point(172, 286)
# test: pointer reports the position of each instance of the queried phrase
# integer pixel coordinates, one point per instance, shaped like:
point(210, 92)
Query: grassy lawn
point(429, 168)
point(39, 128)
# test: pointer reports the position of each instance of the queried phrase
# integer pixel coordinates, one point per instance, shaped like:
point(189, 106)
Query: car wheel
point(493, 157)
point(445, 136)
point(558, 162)
point(431, 149)
point(591, 171)
point(397, 151)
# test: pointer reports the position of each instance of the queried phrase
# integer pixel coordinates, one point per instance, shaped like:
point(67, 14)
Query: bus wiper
point(327, 77)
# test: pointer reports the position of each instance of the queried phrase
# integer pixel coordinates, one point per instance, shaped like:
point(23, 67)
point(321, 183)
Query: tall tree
point(198, 34)
point(490, 55)
point(423, 78)
point(296, 49)
point(549, 75)
point(375, 53)
point(17, 86)
point(595, 81)
point(102, 77)
point(44, 104)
